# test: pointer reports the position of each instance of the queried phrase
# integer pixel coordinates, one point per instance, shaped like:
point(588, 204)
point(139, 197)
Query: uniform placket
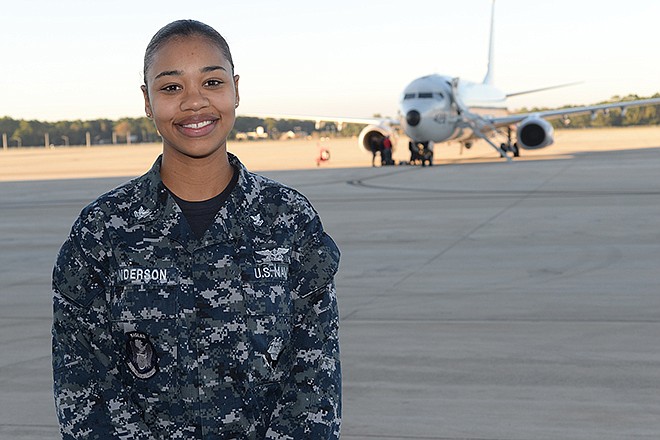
point(217, 320)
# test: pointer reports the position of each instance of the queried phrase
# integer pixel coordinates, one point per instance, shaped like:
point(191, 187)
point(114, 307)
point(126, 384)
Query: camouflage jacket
point(159, 335)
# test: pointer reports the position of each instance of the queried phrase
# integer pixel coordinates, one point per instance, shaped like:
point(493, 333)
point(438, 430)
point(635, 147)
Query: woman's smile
point(197, 125)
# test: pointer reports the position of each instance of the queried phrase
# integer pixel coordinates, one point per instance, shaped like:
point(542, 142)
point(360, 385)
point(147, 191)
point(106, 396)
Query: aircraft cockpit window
point(425, 95)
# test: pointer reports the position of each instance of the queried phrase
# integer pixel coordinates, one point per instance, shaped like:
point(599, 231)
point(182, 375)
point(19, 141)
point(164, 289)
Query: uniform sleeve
point(90, 399)
point(310, 406)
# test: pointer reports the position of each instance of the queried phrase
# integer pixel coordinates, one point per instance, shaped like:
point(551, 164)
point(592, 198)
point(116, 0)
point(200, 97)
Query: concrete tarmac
point(480, 300)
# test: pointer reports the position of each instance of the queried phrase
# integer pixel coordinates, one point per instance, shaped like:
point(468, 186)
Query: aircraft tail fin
point(488, 79)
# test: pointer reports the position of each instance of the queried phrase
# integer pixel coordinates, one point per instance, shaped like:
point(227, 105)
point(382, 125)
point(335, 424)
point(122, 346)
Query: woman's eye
point(171, 88)
point(213, 83)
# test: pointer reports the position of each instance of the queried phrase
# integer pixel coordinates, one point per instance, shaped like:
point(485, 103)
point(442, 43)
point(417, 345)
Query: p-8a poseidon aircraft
point(441, 108)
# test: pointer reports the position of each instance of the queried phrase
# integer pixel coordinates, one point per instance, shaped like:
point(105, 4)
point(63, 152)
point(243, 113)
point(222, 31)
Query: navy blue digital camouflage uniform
point(159, 335)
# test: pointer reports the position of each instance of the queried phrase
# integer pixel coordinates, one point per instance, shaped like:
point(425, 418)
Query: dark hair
point(184, 28)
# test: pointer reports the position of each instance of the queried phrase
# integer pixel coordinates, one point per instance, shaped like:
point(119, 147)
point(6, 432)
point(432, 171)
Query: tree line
point(28, 133)
point(141, 130)
point(93, 132)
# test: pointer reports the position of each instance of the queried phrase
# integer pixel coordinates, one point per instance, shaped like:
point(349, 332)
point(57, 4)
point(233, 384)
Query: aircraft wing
point(319, 119)
point(542, 89)
point(560, 113)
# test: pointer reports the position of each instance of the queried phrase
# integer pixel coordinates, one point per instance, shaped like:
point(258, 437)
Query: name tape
point(141, 275)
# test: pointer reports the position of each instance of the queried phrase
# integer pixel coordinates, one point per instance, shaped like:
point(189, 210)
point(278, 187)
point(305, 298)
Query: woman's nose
point(194, 99)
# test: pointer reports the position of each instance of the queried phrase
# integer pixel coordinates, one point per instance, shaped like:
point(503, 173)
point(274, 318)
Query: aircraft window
point(409, 96)
point(426, 95)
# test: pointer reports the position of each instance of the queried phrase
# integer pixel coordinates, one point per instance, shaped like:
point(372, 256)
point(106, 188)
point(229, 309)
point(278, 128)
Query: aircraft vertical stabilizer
point(488, 79)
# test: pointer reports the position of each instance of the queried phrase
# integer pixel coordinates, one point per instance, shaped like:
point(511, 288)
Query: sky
point(80, 59)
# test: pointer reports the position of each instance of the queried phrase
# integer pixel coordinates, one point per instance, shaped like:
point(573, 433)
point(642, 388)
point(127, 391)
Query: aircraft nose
point(413, 117)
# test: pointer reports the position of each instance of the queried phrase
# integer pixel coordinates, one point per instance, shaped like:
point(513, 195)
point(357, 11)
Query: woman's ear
point(238, 97)
point(147, 104)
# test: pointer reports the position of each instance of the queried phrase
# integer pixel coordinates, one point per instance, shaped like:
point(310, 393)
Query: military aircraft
point(439, 108)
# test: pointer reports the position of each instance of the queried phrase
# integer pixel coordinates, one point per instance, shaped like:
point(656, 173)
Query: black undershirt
point(200, 215)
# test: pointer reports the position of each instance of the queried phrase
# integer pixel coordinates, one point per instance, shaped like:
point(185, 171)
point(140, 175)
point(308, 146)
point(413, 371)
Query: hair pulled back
point(179, 29)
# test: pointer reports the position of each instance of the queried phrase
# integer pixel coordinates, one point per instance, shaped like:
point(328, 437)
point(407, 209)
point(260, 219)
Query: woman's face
point(192, 96)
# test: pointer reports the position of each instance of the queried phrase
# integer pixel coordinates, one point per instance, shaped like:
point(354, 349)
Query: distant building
point(257, 134)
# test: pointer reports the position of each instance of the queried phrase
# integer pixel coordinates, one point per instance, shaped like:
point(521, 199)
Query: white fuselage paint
point(437, 103)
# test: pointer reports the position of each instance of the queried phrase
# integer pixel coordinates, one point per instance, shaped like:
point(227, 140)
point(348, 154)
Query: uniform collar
point(244, 208)
point(155, 207)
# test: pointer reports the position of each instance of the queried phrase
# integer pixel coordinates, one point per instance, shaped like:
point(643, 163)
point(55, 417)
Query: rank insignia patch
point(141, 356)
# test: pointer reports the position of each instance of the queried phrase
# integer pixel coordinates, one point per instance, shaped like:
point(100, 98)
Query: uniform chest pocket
point(268, 307)
point(140, 303)
point(265, 283)
point(145, 293)
point(144, 326)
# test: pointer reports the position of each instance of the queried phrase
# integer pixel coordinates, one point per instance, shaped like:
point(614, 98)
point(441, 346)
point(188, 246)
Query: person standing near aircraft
point(386, 153)
point(198, 300)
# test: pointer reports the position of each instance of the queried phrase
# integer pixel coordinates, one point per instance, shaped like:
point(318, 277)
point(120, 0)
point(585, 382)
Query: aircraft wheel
point(516, 150)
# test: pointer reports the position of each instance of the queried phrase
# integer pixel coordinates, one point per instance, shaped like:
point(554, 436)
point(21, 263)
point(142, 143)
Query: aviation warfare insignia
point(140, 355)
point(276, 254)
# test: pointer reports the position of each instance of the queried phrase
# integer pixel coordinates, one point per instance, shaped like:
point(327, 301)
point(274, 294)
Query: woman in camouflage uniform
point(196, 301)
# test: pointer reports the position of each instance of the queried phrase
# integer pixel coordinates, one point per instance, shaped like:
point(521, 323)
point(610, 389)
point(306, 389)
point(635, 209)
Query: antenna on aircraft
point(488, 79)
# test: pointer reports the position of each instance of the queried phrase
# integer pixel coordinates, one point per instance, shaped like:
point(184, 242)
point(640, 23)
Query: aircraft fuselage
point(430, 107)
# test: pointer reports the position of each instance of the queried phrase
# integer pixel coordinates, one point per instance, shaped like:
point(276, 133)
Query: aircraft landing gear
point(503, 149)
point(508, 146)
point(513, 148)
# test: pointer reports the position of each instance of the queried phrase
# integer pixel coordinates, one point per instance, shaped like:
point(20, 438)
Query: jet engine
point(374, 135)
point(534, 133)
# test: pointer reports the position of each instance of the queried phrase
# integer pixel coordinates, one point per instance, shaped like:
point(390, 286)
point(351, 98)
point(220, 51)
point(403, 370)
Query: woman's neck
point(196, 179)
